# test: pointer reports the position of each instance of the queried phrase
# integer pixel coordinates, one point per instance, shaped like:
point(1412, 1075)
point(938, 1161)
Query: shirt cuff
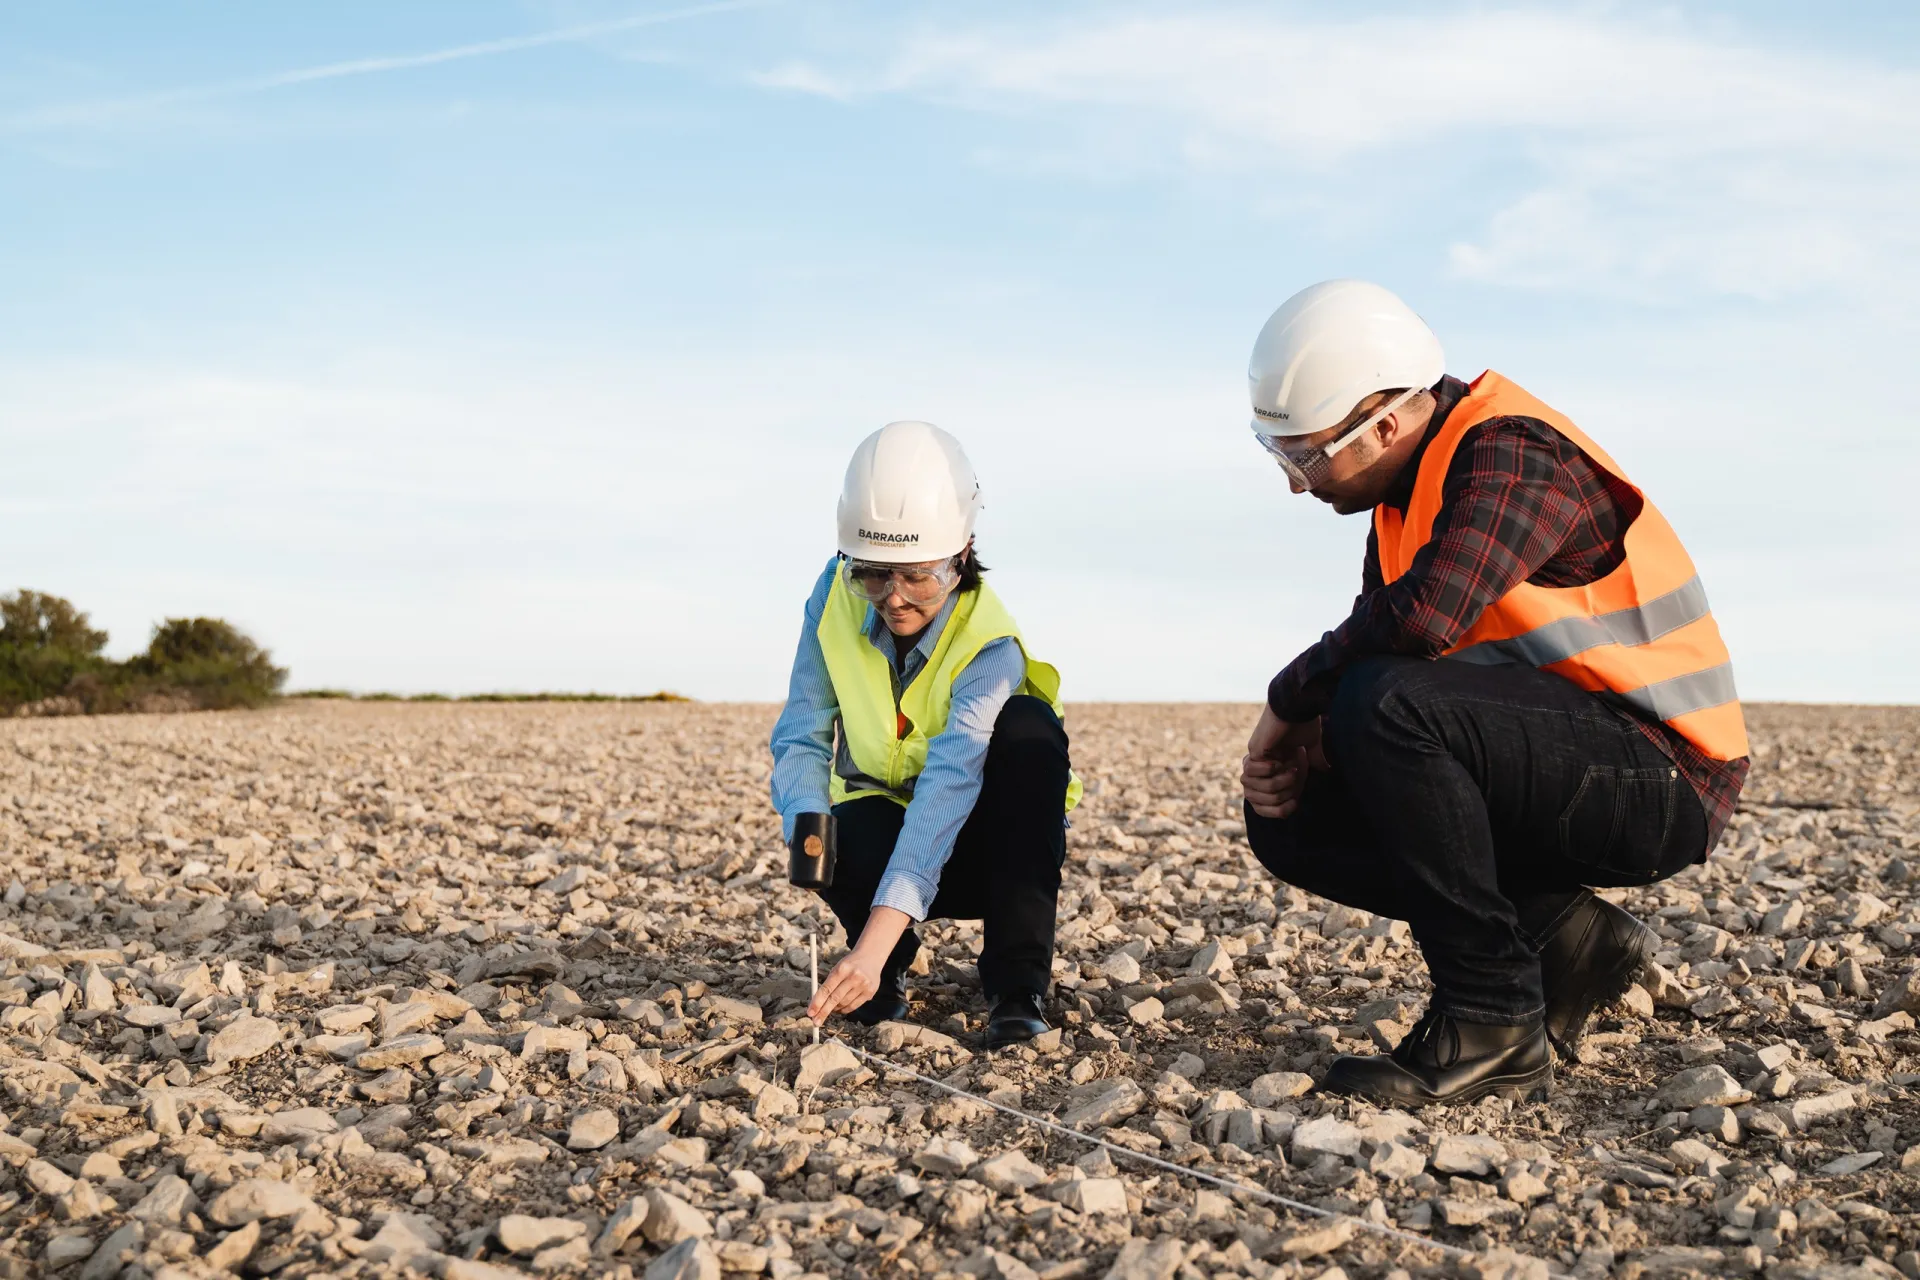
point(822, 805)
point(1299, 702)
point(904, 891)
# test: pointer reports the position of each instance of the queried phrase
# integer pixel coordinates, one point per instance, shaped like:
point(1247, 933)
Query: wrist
point(883, 929)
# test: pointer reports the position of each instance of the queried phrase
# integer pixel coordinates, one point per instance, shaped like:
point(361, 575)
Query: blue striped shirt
point(943, 796)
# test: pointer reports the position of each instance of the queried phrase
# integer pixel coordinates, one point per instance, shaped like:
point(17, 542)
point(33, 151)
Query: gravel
point(342, 989)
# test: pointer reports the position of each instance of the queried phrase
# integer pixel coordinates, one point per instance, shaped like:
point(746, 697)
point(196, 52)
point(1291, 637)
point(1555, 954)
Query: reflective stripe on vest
point(1642, 635)
point(887, 742)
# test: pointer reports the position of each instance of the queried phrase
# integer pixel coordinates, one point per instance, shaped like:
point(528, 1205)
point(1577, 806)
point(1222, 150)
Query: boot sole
point(1535, 1086)
point(1005, 1040)
point(1628, 970)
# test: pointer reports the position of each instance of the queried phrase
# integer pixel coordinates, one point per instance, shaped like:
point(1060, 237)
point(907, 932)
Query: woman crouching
point(917, 721)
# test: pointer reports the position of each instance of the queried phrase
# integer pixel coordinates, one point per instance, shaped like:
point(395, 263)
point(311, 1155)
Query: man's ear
point(1394, 425)
point(1388, 429)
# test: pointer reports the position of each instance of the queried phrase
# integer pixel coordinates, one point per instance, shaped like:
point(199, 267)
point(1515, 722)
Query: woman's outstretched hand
point(856, 979)
point(852, 983)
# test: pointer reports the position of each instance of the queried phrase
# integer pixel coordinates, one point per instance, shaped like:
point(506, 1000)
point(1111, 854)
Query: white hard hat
point(910, 496)
point(1330, 346)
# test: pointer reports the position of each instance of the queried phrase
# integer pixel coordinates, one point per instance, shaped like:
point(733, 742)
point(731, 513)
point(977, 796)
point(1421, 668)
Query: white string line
point(1229, 1183)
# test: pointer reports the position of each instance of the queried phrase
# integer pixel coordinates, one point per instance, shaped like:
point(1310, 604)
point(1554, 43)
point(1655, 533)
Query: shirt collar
point(1447, 392)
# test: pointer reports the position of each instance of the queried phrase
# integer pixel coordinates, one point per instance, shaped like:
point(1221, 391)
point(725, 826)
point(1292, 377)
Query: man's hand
point(856, 979)
point(1279, 754)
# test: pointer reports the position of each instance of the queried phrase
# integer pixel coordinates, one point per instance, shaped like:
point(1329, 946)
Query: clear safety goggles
point(916, 583)
point(1309, 466)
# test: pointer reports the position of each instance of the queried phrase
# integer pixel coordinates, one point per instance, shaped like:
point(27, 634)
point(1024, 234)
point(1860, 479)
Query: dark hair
point(970, 570)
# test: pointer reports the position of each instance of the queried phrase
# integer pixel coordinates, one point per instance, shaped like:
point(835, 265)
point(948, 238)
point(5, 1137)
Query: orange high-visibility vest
point(1642, 635)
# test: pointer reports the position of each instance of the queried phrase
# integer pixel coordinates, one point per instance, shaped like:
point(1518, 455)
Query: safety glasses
point(1309, 466)
point(916, 583)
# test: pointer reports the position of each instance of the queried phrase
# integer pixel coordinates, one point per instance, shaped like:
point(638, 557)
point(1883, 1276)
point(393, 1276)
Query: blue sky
point(494, 345)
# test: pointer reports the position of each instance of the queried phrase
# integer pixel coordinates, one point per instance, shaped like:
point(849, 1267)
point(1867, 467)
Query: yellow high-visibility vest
point(888, 743)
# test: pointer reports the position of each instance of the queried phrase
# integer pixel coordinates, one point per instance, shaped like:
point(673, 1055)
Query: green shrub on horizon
point(51, 663)
point(34, 620)
point(218, 665)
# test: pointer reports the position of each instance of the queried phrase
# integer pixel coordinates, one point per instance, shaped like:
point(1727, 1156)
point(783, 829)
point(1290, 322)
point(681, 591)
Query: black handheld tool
point(810, 853)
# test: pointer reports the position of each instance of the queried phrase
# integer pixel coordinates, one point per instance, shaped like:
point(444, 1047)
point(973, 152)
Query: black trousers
point(1005, 868)
point(1473, 802)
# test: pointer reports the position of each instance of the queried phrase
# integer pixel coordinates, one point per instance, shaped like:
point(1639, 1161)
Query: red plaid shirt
point(1521, 504)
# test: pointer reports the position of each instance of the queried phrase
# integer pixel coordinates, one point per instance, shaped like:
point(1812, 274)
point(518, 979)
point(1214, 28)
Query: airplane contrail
point(88, 112)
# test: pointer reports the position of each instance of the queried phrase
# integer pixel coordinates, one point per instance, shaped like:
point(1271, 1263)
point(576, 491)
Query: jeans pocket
point(1619, 821)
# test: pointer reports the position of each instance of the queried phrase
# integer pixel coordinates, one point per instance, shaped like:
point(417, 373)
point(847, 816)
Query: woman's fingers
point(825, 999)
point(849, 995)
point(847, 987)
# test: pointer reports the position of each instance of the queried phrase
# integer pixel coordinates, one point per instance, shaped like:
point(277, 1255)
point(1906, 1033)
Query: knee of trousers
point(1376, 694)
point(1028, 732)
point(1275, 842)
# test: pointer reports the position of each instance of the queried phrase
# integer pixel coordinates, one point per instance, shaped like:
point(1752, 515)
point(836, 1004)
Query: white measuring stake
point(813, 966)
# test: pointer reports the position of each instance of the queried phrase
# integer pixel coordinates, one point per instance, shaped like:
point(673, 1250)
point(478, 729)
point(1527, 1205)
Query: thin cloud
point(1640, 158)
point(100, 111)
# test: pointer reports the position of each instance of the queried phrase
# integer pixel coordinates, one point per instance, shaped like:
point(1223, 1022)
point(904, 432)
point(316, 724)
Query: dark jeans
point(1005, 868)
point(1472, 802)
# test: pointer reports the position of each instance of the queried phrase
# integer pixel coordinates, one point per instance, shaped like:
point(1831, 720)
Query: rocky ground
point(469, 991)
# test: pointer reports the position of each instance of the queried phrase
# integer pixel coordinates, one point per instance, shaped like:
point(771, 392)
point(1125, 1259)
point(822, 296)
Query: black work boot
point(889, 1003)
point(1589, 954)
point(1445, 1060)
point(1015, 1020)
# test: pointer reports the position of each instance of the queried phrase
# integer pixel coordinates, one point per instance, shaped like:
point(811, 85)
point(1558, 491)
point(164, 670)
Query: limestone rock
point(1396, 1162)
point(1702, 1086)
point(256, 1198)
point(401, 1051)
point(629, 1218)
point(1148, 1260)
point(1313, 1243)
point(242, 1040)
point(1121, 968)
point(1807, 1112)
point(1470, 1153)
point(1901, 996)
point(689, 1260)
point(824, 1063)
point(592, 1130)
point(1096, 1196)
point(1324, 1135)
point(167, 1203)
point(1276, 1087)
point(889, 1037)
point(1009, 1172)
point(671, 1220)
point(1103, 1103)
point(114, 1253)
point(519, 1233)
point(234, 1248)
point(407, 1240)
point(297, 1125)
point(948, 1156)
